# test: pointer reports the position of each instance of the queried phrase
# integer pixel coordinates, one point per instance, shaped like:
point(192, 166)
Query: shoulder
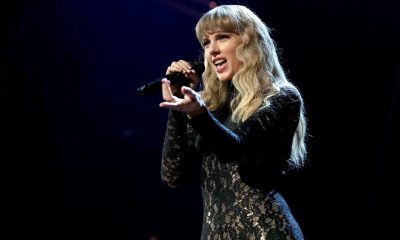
point(288, 95)
point(286, 102)
point(285, 96)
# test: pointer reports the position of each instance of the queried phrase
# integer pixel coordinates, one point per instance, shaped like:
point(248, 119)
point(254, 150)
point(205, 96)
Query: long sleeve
point(180, 161)
point(241, 171)
point(261, 145)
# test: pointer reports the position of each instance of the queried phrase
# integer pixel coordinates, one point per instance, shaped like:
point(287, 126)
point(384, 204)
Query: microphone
point(177, 79)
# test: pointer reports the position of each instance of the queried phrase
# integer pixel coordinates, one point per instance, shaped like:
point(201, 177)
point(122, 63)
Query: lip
point(220, 68)
point(214, 60)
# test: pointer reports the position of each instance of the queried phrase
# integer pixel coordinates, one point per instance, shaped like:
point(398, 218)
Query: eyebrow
point(216, 32)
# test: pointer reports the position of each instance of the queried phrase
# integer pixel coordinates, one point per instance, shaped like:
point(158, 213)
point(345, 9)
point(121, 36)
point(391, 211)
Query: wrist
point(195, 113)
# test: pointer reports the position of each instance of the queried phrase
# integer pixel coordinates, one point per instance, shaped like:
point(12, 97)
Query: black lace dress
point(239, 166)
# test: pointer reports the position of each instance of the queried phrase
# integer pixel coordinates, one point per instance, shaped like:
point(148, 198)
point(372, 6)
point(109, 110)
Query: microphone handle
point(177, 79)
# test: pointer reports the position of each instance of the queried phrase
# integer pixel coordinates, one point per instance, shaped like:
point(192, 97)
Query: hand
point(191, 103)
point(185, 68)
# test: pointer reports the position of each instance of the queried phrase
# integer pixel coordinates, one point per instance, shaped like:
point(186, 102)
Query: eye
point(206, 42)
point(223, 36)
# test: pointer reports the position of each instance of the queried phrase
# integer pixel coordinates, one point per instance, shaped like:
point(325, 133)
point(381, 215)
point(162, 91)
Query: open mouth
point(220, 64)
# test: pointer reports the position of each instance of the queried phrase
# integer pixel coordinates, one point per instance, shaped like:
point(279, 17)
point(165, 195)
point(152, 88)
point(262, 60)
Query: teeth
point(218, 62)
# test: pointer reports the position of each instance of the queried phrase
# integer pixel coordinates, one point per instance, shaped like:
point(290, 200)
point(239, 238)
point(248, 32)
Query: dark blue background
point(81, 151)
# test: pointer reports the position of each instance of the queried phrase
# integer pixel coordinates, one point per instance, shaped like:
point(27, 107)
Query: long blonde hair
point(260, 76)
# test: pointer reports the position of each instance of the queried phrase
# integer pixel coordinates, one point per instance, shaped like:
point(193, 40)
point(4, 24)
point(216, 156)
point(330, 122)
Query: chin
point(224, 78)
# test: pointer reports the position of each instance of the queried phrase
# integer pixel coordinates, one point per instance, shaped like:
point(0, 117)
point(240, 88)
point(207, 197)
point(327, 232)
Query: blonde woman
point(239, 134)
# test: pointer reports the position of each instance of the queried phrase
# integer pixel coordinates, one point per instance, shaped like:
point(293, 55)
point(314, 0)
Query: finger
point(177, 105)
point(187, 91)
point(185, 65)
point(180, 66)
point(166, 90)
point(174, 69)
point(191, 74)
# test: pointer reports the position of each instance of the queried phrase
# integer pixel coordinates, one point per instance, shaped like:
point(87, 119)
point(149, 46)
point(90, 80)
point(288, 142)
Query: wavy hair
point(260, 75)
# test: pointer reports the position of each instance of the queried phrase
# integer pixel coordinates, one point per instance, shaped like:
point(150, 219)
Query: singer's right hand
point(185, 68)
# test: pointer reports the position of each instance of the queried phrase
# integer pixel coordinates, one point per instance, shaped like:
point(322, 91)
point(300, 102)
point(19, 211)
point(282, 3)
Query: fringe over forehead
point(227, 18)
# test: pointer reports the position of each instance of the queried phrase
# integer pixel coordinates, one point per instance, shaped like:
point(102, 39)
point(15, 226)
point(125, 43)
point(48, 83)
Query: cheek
point(233, 54)
point(207, 56)
point(236, 67)
point(236, 62)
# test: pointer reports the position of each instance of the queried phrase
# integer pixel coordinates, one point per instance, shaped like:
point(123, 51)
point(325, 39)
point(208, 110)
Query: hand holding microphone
point(180, 73)
point(190, 101)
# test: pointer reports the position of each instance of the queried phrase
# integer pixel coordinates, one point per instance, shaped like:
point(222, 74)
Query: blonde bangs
point(218, 20)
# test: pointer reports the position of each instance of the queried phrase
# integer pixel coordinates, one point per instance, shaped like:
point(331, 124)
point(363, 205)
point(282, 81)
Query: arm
point(269, 125)
point(261, 145)
point(225, 143)
point(179, 163)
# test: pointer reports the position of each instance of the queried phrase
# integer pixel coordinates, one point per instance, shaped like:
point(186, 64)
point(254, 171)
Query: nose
point(214, 48)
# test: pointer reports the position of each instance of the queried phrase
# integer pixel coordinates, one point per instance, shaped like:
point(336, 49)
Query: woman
point(240, 134)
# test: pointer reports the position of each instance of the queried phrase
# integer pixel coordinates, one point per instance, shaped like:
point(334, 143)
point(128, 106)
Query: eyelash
point(219, 37)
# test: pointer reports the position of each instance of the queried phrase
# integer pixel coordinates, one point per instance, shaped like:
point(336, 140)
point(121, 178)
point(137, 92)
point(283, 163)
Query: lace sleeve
point(180, 161)
point(261, 145)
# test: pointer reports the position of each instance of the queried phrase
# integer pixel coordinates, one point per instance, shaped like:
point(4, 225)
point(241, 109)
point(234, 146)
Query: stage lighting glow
point(212, 4)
